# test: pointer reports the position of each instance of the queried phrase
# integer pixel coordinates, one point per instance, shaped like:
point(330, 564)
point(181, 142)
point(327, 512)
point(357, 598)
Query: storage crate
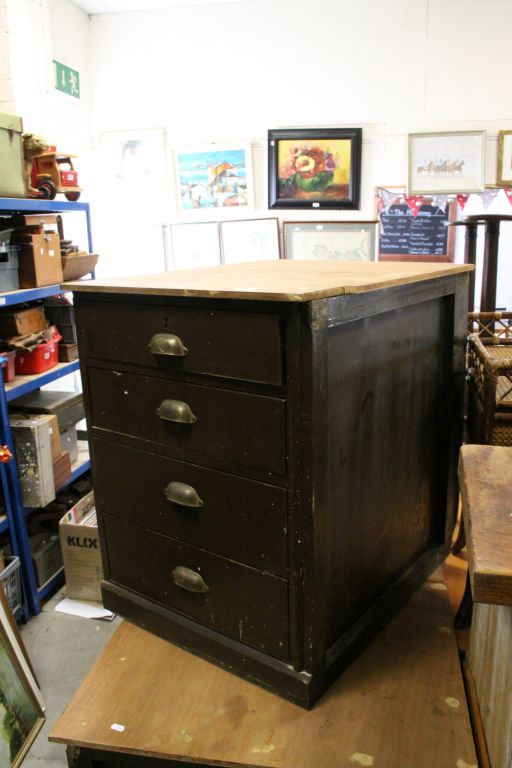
point(63, 316)
point(11, 582)
point(9, 265)
point(42, 358)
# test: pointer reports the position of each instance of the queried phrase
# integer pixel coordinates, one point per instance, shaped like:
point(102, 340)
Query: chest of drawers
point(273, 450)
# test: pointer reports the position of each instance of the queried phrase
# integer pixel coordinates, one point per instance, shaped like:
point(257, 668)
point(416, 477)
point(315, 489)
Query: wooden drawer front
point(233, 426)
point(241, 602)
point(235, 345)
point(237, 518)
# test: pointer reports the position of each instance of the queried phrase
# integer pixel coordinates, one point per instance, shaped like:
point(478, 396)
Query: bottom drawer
point(249, 605)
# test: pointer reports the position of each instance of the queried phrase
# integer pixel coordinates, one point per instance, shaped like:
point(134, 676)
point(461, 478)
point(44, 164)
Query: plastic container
point(11, 582)
point(63, 315)
point(9, 268)
point(41, 359)
point(8, 365)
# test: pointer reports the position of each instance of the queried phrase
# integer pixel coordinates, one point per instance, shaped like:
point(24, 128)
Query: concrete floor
point(62, 649)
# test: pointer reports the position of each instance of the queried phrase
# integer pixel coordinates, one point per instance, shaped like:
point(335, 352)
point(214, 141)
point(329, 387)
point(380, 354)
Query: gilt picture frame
point(504, 171)
point(314, 168)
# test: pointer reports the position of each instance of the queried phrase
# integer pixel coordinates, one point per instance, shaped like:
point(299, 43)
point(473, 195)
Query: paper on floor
point(84, 608)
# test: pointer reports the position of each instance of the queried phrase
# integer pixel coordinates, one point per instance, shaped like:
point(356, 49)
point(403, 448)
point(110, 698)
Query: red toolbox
point(8, 366)
point(42, 358)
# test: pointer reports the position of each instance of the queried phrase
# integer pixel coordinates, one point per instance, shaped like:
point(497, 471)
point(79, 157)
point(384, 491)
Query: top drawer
point(234, 345)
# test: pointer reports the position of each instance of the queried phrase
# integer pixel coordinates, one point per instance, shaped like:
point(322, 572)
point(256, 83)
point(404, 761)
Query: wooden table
point(401, 704)
point(486, 483)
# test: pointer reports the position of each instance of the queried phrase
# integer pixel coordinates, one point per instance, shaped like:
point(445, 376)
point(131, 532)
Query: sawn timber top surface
point(401, 703)
point(282, 280)
point(485, 473)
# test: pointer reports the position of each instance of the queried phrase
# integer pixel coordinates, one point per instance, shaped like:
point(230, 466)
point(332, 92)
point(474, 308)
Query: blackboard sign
point(425, 237)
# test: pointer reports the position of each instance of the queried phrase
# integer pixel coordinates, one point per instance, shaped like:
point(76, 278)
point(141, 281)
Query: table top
point(401, 702)
point(485, 473)
point(280, 280)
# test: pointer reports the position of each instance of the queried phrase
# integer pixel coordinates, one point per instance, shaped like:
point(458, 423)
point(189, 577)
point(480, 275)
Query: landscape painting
point(214, 177)
point(20, 714)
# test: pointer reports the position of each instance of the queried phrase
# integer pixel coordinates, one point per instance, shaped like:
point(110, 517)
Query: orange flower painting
point(314, 168)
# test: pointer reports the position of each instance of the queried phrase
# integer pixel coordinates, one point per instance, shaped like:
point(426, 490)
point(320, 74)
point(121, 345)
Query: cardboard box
point(40, 261)
point(81, 551)
point(32, 444)
point(20, 323)
point(69, 442)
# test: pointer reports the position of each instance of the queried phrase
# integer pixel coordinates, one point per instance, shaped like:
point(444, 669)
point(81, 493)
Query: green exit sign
point(67, 80)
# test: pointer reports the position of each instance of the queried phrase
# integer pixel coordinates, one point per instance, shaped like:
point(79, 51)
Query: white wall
point(230, 71)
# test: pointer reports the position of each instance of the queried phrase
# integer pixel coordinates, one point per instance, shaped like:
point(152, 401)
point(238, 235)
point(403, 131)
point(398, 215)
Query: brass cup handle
point(182, 494)
point(175, 410)
point(190, 580)
point(167, 344)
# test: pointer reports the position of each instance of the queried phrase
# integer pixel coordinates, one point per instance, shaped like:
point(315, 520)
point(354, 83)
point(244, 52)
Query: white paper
point(84, 608)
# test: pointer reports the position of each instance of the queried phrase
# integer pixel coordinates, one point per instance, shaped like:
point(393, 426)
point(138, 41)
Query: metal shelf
point(21, 385)
point(15, 522)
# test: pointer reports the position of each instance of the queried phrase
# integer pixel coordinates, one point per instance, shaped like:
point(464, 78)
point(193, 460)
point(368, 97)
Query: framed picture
point(21, 709)
point(195, 245)
point(336, 240)
point(316, 168)
point(134, 173)
point(446, 162)
point(214, 176)
point(504, 176)
point(249, 240)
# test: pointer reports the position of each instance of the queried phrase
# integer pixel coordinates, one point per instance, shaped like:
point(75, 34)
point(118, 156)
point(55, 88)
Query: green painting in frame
point(314, 168)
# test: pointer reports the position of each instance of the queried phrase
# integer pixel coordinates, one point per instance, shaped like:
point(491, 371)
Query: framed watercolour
point(504, 175)
point(195, 245)
point(441, 163)
point(335, 240)
point(214, 176)
point(315, 168)
point(21, 709)
point(249, 240)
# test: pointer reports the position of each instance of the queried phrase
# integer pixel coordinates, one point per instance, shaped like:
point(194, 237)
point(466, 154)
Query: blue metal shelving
point(15, 521)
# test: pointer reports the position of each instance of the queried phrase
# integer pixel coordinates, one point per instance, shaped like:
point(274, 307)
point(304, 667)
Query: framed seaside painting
point(249, 240)
point(440, 163)
point(21, 712)
point(214, 176)
point(334, 240)
point(315, 168)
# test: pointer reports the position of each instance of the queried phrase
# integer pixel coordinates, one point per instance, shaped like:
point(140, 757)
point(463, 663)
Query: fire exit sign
point(67, 80)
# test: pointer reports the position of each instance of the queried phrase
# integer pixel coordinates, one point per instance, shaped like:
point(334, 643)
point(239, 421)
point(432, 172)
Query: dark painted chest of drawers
point(273, 450)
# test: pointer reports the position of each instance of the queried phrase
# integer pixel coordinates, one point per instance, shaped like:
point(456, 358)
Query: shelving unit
point(15, 518)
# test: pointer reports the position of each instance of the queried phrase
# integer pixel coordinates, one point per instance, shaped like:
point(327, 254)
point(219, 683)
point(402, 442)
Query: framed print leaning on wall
point(504, 175)
point(335, 240)
point(440, 163)
point(195, 245)
point(249, 240)
point(314, 168)
point(214, 176)
point(21, 710)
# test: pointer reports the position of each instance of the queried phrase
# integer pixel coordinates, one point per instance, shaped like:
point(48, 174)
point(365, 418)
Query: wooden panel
point(280, 280)
point(485, 480)
point(240, 519)
point(490, 661)
point(234, 426)
point(388, 412)
point(249, 605)
point(229, 344)
point(401, 703)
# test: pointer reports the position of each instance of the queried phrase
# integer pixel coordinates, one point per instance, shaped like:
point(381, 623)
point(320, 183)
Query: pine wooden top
point(401, 703)
point(485, 473)
point(283, 280)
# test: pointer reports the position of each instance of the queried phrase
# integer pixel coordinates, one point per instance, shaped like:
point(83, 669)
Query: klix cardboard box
point(81, 554)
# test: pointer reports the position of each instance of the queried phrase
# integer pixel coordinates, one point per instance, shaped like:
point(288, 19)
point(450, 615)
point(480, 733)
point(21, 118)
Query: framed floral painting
point(315, 168)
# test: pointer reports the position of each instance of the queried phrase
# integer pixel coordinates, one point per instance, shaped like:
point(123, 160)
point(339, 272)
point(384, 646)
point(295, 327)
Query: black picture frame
point(302, 175)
